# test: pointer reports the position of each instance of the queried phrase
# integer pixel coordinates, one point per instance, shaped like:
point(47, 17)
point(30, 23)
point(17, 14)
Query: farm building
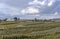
point(10, 19)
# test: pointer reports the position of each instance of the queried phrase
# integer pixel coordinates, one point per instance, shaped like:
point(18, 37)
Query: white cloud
point(30, 10)
point(4, 8)
point(51, 2)
point(42, 3)
point(39, 4)
point(34, 7)
point(36, 2)
point(56, 13)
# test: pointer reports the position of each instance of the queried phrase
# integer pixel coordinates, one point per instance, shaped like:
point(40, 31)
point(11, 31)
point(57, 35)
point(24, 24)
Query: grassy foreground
point(29, 30)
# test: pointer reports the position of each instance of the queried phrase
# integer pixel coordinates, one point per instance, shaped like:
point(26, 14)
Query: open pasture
point(29, 30)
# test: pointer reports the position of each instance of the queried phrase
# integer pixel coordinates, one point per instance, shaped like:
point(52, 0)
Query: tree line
point(35, 19)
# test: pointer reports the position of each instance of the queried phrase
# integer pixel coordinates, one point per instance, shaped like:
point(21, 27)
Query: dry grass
point(30, 30)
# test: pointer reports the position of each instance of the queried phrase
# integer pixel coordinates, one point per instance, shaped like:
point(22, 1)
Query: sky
point(30, 9)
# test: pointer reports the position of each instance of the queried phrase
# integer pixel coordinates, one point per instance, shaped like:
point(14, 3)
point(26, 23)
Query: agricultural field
point(29, 30)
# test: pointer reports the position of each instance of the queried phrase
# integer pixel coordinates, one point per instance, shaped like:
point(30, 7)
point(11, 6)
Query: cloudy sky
point(29, 9)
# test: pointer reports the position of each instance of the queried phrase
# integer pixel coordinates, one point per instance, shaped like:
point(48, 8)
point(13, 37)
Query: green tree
point(15, 18)
point(5, 19)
